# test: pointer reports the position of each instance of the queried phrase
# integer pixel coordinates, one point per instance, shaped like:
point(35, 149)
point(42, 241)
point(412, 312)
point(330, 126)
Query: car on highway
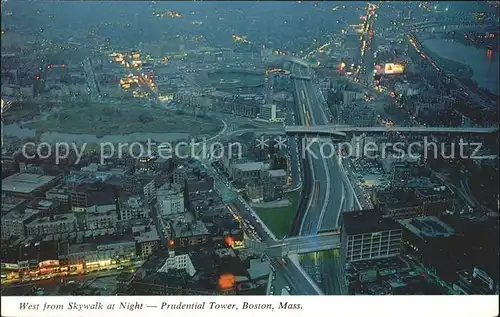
point(284, 262)
point(289, 290)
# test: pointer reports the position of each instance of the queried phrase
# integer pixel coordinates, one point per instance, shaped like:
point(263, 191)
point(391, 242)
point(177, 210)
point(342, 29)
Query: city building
point(434, 243)
point(255, 191)
point(397, 204)
point(28, 185)
point(59, 193)
point(170, 274)
point(436, 200)
point(277, 177)
point(199, 184)
point(179, 175)
point(100, 220)
point(268, 112)
point(12, 203)
point(170, 200)
point(133, 208)
point(28, 260)
point(142, 185)
point(189, 233)
point(367, 235)
point(426, 199)
point(178, 262)
point(247, 171)
point(477, 282)
point(51, 226)
point(83, 196)
point(146, 238)
point(83, 256)
point(14, 223)
point(45, 206)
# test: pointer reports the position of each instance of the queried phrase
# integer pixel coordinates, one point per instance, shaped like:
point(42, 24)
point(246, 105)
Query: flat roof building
point(27, 184)
point(367, 235)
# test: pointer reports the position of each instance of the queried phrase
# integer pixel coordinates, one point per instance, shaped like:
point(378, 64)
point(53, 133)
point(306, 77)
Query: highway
point(330, 195)
point(342, 130)
point(333, 129)
point(335, 193)
point(288, 274)
point(293, 146)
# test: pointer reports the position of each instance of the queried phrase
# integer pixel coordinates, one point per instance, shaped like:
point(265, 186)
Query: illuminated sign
point(49, 263)
point(391, 68)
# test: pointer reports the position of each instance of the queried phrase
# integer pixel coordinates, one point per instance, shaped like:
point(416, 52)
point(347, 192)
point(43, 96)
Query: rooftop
point(366, 221)
point(20, 216)
point(427, 227)
point(186, 229)
point(132, 202)
point(54, 220)
point(25, 182)
point(169, 190)
point(258, 269)
point(251, 166)
point(225, 252)
point(145, 233)
point(277, 173)
point(9, 203)
point(97, 193)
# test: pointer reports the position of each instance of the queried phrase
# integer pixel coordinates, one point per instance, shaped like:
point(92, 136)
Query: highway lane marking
point(316, 196)
point(309, 201)
point(342, 198)
point(327, 172)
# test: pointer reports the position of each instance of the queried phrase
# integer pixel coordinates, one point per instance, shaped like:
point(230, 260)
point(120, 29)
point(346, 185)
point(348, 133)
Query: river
point(484, 64)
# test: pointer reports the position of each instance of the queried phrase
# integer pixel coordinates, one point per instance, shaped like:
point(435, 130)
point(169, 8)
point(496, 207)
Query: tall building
point(268, 112)
point(180, 175)
point(366, 235)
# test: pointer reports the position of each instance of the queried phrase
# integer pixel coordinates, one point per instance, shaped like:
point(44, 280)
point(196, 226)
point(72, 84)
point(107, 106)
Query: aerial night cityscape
point(249, 148)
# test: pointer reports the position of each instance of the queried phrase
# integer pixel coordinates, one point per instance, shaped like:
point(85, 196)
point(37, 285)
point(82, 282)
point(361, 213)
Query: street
point(52, 285)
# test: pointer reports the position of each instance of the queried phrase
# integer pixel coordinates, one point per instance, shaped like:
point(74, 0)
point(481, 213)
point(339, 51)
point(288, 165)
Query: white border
point(342, 306)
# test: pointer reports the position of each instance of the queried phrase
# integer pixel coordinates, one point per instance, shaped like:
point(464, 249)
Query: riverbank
point(461, 71)
point(484, 67)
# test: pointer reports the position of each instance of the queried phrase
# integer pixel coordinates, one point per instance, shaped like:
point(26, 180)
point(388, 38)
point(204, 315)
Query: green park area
point(279, 220)
point(105, 119)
